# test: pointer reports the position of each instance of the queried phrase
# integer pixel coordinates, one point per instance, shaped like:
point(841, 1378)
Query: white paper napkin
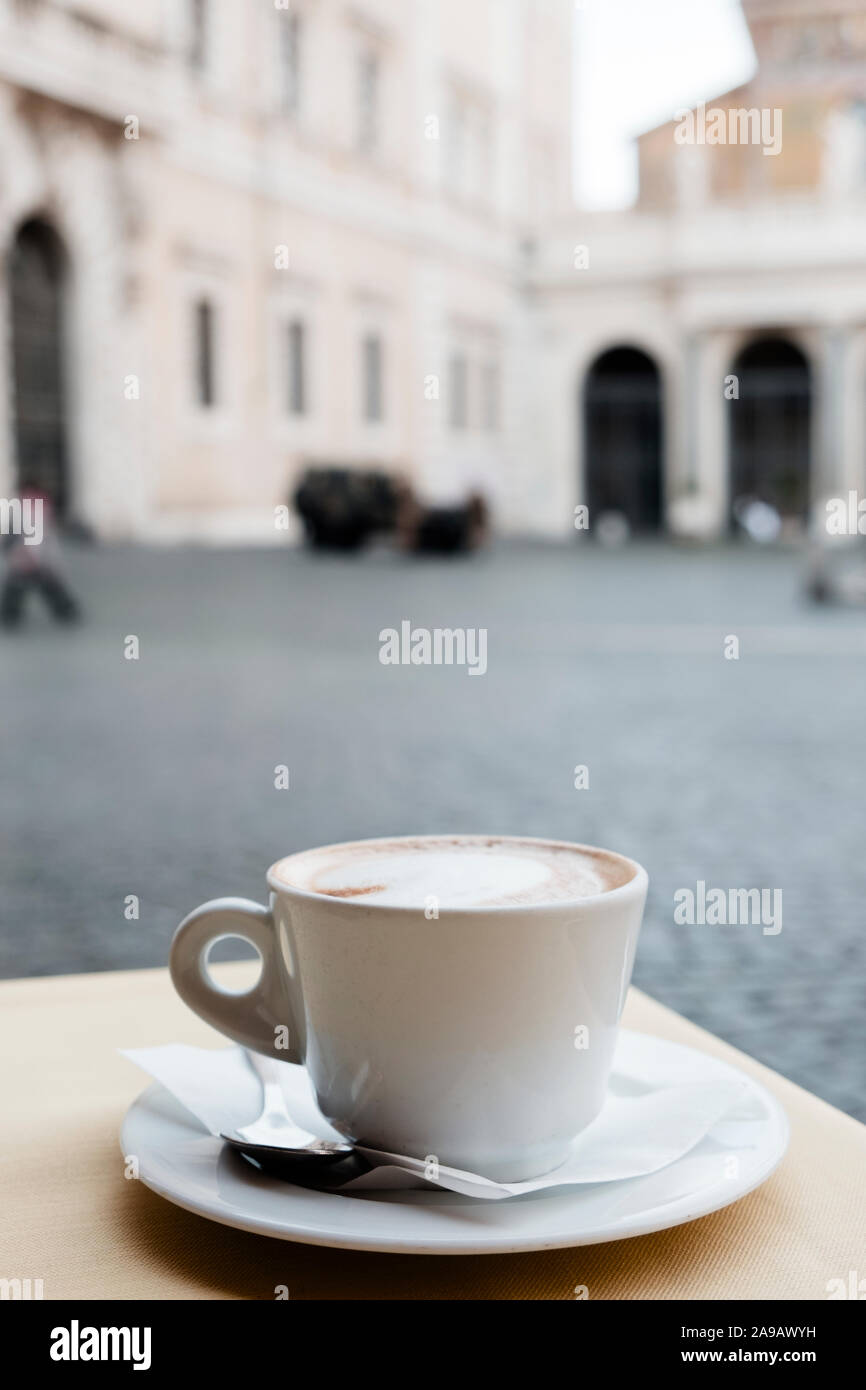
point(655, 1112)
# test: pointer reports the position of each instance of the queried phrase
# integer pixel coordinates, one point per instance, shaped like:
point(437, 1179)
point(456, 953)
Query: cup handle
point(258, 1018)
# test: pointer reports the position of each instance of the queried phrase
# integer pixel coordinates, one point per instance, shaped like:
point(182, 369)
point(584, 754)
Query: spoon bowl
point(275, 1133)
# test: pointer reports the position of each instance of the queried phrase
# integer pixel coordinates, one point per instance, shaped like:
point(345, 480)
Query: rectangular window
point(490, 396)
point(372, 374)
point(469, 149)
point(482, 179)
point(290, 63)
point(458, 411)
point(368, 101)
point(456, 149)
point(204, 353)
point(297, 368)
point(198, 36)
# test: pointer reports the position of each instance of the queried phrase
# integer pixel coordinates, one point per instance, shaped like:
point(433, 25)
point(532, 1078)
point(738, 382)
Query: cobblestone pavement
point(156, 777)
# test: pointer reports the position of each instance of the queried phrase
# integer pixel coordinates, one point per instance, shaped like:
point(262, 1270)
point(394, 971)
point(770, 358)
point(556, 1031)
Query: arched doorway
point(623, 438)
point(37, 265)
point(771, 427)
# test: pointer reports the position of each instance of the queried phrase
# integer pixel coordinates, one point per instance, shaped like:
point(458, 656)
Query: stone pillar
point(698, 493)
point(840, 467)
point(829, 415)
point(853, 462)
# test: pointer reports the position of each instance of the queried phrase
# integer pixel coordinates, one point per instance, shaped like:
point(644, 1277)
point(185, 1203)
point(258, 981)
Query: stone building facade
point(709, 345)
point(238, 238)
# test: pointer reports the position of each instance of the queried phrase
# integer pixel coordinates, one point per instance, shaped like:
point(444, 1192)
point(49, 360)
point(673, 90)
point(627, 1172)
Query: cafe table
point(74, 1220)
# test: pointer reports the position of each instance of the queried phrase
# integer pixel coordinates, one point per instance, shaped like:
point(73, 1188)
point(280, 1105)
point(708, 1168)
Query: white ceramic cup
point(482, 1038)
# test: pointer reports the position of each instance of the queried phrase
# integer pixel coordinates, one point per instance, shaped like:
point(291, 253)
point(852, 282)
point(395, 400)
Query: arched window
point(770, 426)
point(623, 439)
point(37, 266)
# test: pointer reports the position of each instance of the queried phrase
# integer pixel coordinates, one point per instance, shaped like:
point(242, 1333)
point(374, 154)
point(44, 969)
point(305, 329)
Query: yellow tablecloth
point(71, 1219)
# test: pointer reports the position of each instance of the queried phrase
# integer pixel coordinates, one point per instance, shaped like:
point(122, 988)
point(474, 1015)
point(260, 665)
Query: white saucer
point(180, 1161)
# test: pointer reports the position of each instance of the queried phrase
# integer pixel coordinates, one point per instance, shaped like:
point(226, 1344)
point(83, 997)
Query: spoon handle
point(274, 1102)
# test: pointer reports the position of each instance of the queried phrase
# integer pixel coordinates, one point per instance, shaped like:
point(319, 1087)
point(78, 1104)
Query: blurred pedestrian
point(32, 561)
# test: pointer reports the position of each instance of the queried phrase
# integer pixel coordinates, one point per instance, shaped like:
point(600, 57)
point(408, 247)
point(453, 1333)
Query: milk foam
point(454, 873)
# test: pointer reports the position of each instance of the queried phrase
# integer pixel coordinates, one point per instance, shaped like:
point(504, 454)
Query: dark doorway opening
point(623, 438)
point(37, 265)
point(770, 441)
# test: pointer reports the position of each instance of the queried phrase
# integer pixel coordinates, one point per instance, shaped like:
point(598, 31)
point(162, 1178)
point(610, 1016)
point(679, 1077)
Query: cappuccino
point(432, 987)
point(455, 872)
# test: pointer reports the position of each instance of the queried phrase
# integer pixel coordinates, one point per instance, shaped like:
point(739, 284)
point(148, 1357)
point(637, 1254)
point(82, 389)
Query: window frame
point(291, 22)
point(373, 411)
point(198, 35)
point(205, 374)
point(296, 367)
point(458, 391)
point(368, 115)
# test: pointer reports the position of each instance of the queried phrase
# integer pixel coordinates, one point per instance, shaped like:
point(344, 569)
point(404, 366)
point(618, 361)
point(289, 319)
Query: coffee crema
point(457, 872)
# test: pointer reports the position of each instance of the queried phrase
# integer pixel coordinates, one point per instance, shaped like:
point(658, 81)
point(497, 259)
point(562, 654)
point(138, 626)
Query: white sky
point(637, 61)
